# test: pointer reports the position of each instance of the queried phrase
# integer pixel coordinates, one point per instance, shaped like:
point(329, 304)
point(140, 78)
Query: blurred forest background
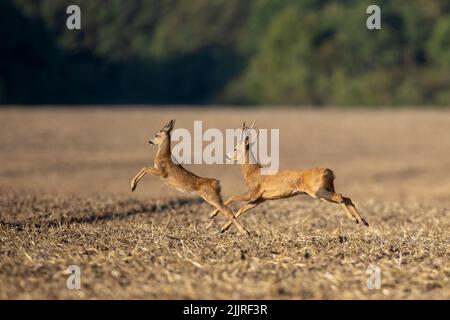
point(252, 52)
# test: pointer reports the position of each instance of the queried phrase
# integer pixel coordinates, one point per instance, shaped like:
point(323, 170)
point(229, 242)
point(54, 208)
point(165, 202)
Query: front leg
point(246, 207)
point(143, 172)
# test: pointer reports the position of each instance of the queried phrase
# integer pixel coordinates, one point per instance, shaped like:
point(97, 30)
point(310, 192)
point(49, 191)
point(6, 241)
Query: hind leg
point(334, 197)
point(239, 197)
point(216, 201)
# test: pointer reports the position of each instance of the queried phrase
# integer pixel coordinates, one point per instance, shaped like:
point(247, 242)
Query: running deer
point(316, 182)
point(180, 178)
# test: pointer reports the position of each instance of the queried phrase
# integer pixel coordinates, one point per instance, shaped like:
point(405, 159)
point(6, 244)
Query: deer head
point(163, 134)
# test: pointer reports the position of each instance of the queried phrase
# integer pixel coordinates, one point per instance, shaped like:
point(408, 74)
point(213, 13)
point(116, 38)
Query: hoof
point(244, 231)
point(212, 215)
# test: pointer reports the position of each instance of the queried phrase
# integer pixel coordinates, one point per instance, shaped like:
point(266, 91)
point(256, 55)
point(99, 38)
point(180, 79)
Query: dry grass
point(64, 200)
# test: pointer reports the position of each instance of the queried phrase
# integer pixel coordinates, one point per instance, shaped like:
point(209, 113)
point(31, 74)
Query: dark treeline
point(268, 52)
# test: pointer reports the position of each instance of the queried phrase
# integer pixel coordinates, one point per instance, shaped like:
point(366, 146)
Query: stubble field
point(65, 200)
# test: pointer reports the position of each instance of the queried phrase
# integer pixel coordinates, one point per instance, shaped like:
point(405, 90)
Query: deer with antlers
point(316, 182)
point(180, 178)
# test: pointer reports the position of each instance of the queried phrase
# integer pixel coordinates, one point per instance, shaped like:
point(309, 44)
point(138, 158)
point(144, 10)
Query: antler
point(245, 128)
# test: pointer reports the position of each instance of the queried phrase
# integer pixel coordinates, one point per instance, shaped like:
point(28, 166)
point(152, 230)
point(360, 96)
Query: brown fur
point(316, 182)
point(180, 178)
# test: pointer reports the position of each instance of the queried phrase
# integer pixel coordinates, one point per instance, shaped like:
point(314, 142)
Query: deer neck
point(164, 151)
point(250, 167)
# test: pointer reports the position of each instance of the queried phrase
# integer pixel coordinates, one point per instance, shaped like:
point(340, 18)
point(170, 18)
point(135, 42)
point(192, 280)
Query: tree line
point(252, 52)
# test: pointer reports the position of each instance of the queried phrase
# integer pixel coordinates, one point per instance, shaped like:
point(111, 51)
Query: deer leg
point(136, 179)
point(334, 197)
point(235, 198)
point(246, 207)
point(216, 201)
point(232, 220)
point(349, 204)
point(142, 173)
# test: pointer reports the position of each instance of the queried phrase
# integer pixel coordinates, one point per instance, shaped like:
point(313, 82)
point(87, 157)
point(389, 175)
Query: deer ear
point(169, 126)
point(243, 125)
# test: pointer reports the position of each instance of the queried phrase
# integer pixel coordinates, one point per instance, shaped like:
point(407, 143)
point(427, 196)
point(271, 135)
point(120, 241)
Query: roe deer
point(182, 179)
point(316, 182)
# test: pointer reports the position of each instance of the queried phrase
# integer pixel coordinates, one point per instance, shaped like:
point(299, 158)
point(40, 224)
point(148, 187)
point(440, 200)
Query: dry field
point(65, 200)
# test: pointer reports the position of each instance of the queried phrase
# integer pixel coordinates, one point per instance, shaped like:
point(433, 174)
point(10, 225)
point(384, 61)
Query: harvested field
point(65, 200)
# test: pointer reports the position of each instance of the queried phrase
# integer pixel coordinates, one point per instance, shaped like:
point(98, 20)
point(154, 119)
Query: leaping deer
point(182, 179)
point(316, 182)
